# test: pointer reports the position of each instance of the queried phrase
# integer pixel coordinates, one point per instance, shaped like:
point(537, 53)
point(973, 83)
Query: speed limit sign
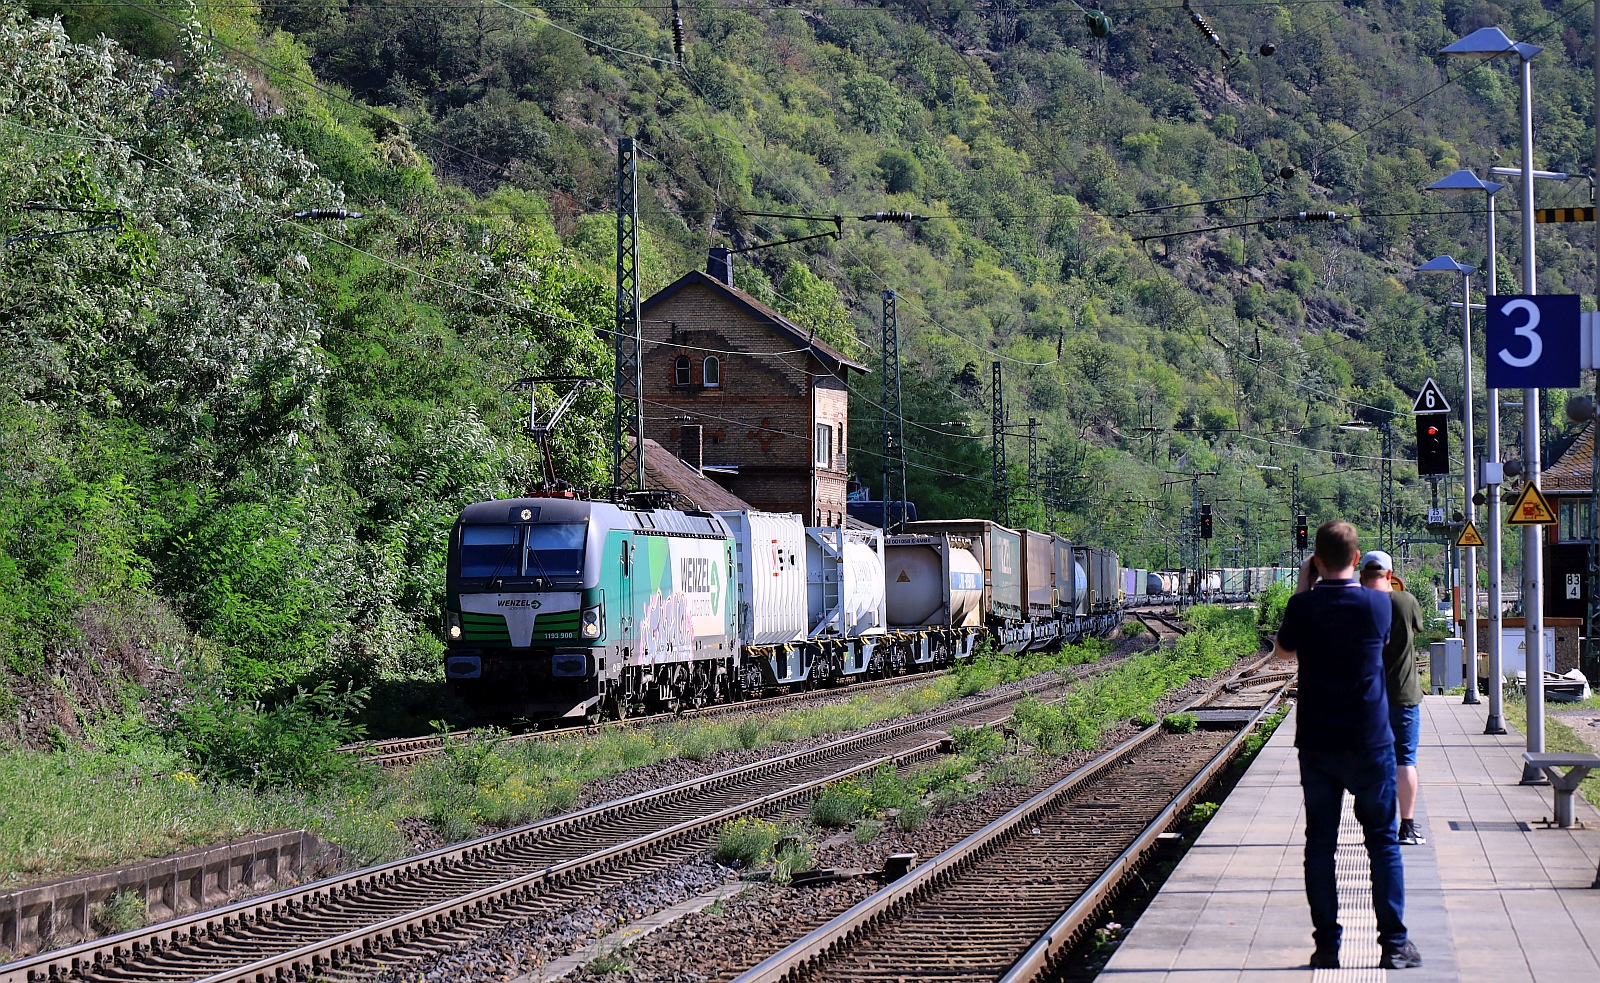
point(1532, 342)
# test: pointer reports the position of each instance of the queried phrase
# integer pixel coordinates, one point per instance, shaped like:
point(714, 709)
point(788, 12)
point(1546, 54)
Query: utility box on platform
point(1445, 665)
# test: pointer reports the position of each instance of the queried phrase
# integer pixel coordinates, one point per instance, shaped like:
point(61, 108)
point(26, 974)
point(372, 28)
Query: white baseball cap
point(1377, 560)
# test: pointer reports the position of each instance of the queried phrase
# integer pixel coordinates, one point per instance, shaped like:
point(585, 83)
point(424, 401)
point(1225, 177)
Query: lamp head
point(1446, 264)
point(1489, 42)
point(1465, 181)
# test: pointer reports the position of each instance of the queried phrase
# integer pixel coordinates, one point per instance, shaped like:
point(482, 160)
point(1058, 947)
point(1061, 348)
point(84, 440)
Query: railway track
point(1164, 629)
point(398, 751)
point(396, 912)
point(1010, 900)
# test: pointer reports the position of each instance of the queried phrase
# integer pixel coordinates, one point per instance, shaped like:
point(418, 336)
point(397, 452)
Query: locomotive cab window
point(489, 551)
point(551, 550)
point(680, 371)
point(711, 372)
point(555, 549)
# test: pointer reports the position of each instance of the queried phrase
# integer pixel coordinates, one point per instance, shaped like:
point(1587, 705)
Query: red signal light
point(1433, 431)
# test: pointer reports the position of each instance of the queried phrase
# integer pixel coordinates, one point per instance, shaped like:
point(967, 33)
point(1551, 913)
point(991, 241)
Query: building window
point(680, 371)
point(1573, 514)
point(823, 456)
point(711, 372)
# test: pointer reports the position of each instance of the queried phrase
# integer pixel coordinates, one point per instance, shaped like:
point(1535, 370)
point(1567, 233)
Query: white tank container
point(930, 581)
point(770, 556)
point(844, 581)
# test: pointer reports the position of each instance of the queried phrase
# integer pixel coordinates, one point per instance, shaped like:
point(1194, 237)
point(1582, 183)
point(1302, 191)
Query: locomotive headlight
point(591, 622)
point(455, 633)
point(452, 622)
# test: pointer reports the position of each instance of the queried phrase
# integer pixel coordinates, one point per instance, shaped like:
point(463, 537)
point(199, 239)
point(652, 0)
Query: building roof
point(691, 489)
point(801, 336)
point(1573, 471)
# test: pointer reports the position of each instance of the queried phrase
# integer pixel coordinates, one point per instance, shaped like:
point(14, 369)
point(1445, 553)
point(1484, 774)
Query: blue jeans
point(1369, 776)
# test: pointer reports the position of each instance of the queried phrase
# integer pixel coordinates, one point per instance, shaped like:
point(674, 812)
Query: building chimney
point(720, 264)
point(691, 446)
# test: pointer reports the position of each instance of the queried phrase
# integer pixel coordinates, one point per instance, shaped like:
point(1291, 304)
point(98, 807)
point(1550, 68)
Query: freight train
point(560, 608)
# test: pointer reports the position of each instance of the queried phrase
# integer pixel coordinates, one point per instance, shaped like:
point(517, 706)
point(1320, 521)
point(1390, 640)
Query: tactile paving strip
point(1359, 951)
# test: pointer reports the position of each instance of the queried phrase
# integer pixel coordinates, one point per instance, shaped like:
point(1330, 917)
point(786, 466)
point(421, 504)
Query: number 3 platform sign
point(1533, 342)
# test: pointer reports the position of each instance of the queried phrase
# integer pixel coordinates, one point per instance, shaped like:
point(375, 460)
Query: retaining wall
point(59, 913)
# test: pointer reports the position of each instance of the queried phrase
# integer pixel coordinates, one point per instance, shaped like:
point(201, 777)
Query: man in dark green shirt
point(1404, 686)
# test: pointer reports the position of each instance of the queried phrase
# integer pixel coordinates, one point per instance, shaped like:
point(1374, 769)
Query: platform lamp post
point(1483, 44)
point(1469, 627)
point(1456, 184)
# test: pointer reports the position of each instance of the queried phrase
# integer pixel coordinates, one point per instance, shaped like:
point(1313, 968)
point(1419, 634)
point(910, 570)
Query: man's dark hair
point(1336, 544)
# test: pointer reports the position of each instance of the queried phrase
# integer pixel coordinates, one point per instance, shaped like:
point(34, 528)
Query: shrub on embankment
point(1217, 638)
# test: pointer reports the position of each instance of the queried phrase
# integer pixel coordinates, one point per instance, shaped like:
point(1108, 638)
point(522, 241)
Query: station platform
point(1494, 895)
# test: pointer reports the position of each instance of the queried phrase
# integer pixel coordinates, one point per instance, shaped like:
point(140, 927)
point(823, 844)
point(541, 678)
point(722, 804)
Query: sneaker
point(1325, 958)
point(1410, 835)
point(1402, 956)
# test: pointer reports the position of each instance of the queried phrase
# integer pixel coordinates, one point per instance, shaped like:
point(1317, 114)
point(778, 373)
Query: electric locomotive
point(563, 608)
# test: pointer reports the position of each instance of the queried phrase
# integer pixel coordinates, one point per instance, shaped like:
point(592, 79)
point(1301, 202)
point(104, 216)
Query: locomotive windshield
point(547, 550)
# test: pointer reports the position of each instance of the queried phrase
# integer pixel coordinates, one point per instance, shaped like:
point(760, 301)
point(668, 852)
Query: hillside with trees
point(234, 439)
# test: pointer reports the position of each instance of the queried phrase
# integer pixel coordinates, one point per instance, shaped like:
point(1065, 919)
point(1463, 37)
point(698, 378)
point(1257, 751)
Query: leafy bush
point(1133, 629)
point(841, 804)
point(1179, 723)
point(1270, 604)
point(748, 732)
point(978, 743)
point(291, 743)
point(749, 841)
point(1143, 719)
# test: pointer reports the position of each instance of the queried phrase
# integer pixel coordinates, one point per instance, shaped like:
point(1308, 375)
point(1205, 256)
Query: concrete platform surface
point(1493, 896)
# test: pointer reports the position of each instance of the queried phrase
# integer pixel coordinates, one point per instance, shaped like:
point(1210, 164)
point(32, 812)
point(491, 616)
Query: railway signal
point(1433, 444)
point(1301, 536)
point(1205, 521)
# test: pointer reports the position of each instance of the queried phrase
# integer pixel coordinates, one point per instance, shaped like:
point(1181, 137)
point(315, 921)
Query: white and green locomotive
point(564, 608)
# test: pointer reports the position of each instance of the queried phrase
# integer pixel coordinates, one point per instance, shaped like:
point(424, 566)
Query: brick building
point(748, 395)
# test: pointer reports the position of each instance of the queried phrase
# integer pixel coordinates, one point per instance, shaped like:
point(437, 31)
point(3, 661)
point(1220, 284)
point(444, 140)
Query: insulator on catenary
point(677, 32)
point(1319, 217)
point(893, 217)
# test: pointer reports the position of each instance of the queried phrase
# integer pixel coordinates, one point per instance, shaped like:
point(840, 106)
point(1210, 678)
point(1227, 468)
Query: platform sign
point(1533, 342)
point(1469, 536)
point(1430, 399)
point(1531, 509)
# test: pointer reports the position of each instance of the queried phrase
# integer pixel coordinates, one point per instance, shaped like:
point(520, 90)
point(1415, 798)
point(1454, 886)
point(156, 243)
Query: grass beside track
point(1557, 735)
point(85, 808)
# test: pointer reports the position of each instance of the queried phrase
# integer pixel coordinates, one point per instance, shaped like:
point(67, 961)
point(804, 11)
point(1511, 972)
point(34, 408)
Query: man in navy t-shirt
point(1336, 629)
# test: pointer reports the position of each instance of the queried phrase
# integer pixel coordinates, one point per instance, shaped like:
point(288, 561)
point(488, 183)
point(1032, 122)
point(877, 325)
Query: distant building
point(754, 400)
point(1567, 483)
